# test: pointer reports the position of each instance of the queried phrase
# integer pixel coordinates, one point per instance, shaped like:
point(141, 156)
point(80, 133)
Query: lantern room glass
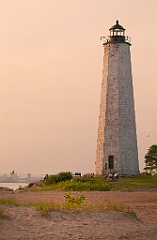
point(116, 32)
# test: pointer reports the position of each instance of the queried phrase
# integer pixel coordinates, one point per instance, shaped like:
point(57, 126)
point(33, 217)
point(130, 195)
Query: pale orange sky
point(50, 80)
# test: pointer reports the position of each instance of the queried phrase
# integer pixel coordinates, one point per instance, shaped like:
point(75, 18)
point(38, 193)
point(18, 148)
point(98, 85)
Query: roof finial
point(117, 22)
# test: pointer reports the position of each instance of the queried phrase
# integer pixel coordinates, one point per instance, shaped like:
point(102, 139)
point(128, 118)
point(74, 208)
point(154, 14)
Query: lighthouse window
point(112, 33)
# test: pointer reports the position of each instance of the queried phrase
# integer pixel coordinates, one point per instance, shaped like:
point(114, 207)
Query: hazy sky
point(50, 80)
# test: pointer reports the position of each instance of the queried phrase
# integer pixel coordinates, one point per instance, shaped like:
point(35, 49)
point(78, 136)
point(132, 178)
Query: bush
point(64, 176)
point(74, 201)
point(51, 180)
point(60, 177)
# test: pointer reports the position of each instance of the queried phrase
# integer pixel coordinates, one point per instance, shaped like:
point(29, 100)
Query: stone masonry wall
point(117, 129)
point(100, 140)
point(128, 156)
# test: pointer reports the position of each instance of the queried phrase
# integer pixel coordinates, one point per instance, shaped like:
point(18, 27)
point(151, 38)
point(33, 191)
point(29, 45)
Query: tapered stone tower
point(117, 142)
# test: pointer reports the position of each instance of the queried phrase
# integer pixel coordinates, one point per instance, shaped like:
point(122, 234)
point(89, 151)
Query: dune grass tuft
point(43, 207)
point(121, 208)
point(10, 201)
point(117, 207)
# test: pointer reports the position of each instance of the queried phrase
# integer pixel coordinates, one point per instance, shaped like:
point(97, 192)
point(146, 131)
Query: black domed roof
point(117, 26)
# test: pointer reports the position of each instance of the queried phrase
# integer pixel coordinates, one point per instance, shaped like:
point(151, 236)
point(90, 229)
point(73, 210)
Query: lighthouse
point(117, 140)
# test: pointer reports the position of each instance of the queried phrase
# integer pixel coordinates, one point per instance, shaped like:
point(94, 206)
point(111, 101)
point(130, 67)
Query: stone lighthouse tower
point(117, 142)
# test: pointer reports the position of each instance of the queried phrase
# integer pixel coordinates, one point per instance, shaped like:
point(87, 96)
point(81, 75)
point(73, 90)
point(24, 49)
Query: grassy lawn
point(142, 182)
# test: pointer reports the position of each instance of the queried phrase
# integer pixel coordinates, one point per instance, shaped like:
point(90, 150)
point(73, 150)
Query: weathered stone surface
point(117, 128)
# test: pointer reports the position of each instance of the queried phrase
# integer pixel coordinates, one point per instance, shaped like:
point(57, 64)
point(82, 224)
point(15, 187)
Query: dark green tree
point(151, 159)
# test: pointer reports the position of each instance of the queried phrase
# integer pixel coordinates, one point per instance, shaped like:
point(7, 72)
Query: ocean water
point(13, 186)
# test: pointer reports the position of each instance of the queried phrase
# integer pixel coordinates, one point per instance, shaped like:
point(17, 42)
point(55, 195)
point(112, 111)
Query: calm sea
point(13, 185)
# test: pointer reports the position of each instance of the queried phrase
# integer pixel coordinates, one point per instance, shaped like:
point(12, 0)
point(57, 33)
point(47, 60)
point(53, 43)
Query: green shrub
point(64, 176)
point(51, 180)
point(60, 177)
point(74, 202)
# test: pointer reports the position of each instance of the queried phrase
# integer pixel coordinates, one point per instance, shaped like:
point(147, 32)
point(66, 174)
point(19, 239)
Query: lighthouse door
point(111, 162)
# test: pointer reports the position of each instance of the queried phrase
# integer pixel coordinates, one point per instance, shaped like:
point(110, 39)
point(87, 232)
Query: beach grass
point(72, 202)
point(45, 208)
point(118, 207)
point(9, 201)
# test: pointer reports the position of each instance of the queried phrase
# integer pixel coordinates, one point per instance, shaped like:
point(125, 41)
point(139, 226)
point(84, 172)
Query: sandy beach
point(27, 223)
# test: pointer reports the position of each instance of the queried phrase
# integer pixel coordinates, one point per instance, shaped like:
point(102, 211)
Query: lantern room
point(117, 33)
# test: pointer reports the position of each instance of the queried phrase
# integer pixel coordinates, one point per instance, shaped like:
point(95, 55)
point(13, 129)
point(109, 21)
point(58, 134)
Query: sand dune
point(27, 223)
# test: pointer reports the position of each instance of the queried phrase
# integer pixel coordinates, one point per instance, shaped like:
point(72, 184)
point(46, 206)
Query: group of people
point(112, 177)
